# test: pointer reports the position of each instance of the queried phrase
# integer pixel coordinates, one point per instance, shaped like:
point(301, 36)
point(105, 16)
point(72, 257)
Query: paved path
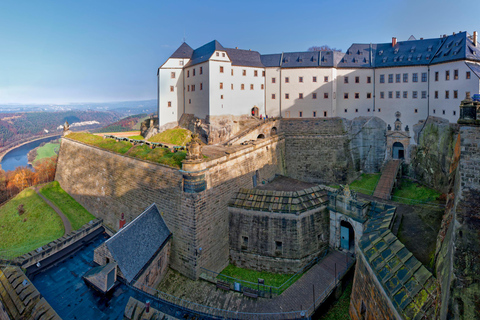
point(385, 184)
point(66, 223)
point(299, 296)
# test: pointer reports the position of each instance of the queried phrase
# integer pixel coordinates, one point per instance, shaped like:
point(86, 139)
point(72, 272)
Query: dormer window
point(438, 54)
point(395, 59)
point(395, 51)
point(385, 59)
point(458, 43)
point(380, 52)
point(427, 57)
point(449, 44)
point(447, 52)
point(429, 48)
point(359, 52)
point(410, 58)
point(412, 49)
point(419, 56)
point(300, 59)
point(400, 58)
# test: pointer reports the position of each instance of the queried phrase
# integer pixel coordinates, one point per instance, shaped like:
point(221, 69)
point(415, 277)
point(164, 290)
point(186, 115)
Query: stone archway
point(255, 112)
point(347, 236)
point(398, 151)
point(261, 136)
point(273, 131)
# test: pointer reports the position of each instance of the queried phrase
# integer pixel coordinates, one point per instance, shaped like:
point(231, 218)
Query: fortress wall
point(224, 177)
point(302, 237)
point(108, 184)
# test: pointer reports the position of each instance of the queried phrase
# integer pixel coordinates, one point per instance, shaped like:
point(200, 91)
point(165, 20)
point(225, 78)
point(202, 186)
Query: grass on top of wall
point(76, 214)
point(410, 192)
point(365, 184)
point(177, 136)
point(271, 279)
point(138, 137)
point(37, 226)
point(108, 144)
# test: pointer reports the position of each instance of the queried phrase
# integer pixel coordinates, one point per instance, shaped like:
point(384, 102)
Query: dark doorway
point(273, 131)
point(261, 136)
point(254, 112)
point(347, 236)
point(398, 152)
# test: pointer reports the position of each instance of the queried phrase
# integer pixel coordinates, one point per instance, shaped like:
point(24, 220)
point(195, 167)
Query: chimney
point(421, 38)
point(122, 221)
point(475, 38)
point(394, 41)
point(454, 33)
point(236, 47)
point(147, 306)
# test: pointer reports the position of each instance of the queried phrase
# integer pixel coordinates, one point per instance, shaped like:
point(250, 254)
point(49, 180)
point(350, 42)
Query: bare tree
point(323, 48)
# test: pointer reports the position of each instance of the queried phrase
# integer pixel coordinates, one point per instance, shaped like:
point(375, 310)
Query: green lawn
point(47, 151)
point(38, 226)
point(139, 137)
point(160, 155)
point(339, 310)
point(410, 192)
point(76, 214)
point(365, 184)
point(176, 136)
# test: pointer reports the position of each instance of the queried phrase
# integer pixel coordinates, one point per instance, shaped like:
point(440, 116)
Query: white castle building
point(418, 78)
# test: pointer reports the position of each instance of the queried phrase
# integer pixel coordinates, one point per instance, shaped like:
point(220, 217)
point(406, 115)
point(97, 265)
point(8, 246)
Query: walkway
point(66, 222)
point(387, 180)
point(299, 296)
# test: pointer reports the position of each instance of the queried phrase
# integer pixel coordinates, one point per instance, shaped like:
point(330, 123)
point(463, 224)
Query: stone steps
point(387, 180)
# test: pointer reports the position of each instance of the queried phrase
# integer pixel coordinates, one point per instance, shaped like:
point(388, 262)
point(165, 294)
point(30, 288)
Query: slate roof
point(183, 52)
point(246, 58)
point(204, 53)
point(135, 244)
point(294, 202)
point(410, 286)
point(475, 68)
point(271, 60)
point(301, 59)
point(357, 56)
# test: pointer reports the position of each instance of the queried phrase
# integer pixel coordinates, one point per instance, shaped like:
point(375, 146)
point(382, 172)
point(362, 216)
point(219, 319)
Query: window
point(424, 94)
point(314, 114)
point(379, 109)
point(261, 86)
point(193, 73)
point(357, 79)
point(416, 110)
point(345, 79)
point(273, 80)
point(436, 76)
point(467, 93)
point(189, 101)
point(201, 86)
point(390, 94)
point(382, 78)
point(314, 79)
point(454, 113)
point(357, 95)
point(221, 85)
point(251, 87)
point(368, 109)
point(325, 79)
point(263, 73)
point(169, 103)
point(273, 96)
point(345, 110)
point(180, 62)
point(244, 72)
point(447, 75)
point(218, 54)
point(287, 96)
point(447, 94)
point(244, 243)
point(242, 87)
point(314, 95)
point(188, 88)
point(300, 96)
point(221, 69)
point(405, 94)
point(287, 80)
point(390, 78)
point(221, 96)
point(188, 73)
point(397, 94)
point(356, 110)
point(467, 75)
point(172, 75)
point(255, 73)
point(325, 95)
point(324, 113)
point(443, 111)
point(436, 94)
point(201, 70)
point(405, 77)
point(369, 79)
point(231, 72)
point(424, 77)
point(345, 95)
point(193, 87)
point(231, 86)
point(171, 89)
point(382, 95)
point(300, 79)
point(369, 95)
point(455, 94)
point(223, 54)
point(455, 74)
point(433, 110)
point(300, 114)
point(414, 94)
point(397, 78)
point(278, 246)
point(415, 77)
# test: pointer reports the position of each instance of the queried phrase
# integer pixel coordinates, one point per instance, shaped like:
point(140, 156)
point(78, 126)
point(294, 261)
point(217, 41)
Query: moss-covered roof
point(294, 202)
point(411, 287)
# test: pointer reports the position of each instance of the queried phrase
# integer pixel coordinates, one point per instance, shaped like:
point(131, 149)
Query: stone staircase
point(247, 130)
point(387, 180)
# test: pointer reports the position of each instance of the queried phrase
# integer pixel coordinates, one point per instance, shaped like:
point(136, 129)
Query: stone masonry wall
point(367, 302)
point(154, 273)
point(254, 236)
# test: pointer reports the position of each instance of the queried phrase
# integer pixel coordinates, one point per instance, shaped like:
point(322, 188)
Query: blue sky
point(96, 51)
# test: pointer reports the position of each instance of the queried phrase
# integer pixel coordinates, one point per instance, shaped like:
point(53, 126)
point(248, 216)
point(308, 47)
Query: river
point(18, 156)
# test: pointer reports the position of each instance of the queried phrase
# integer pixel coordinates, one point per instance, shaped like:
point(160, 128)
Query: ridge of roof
point(183, 52)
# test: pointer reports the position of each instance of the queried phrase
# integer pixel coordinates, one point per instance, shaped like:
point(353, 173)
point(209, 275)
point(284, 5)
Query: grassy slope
point(76, 214)
point(366, 183)
point(47, 151)
point(160, 155)
point(271, 279)
point(139, 137)
point(176, 136)
point(410, 192)
point(42, 224)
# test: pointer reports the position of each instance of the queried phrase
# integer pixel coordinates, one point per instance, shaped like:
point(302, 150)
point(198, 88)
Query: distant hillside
point(126, 124)
point(17, 127)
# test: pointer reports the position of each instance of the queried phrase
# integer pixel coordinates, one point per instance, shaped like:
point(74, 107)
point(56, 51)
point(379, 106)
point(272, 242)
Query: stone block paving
point(299, 296)
point(386, 182)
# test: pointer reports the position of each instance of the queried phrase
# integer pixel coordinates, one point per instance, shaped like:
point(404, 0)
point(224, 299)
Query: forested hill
point(126, 124)
point(18, 127)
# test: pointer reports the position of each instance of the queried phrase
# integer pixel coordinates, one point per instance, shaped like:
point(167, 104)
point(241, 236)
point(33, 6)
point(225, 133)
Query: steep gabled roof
point(246, 58)
point(457, 47)
point(183, 52)
point(134, 245)
point(475, 68)
point(204, 53)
